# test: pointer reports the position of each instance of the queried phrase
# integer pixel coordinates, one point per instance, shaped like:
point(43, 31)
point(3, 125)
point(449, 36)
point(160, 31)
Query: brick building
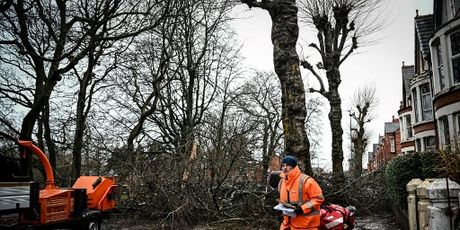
point(429, 114)
point(388, 147)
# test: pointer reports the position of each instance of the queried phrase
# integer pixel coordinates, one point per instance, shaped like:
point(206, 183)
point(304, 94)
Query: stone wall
point(433, 204)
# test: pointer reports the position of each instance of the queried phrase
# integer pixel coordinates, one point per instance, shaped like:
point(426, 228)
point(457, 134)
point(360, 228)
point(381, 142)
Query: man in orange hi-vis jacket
point(301, 192)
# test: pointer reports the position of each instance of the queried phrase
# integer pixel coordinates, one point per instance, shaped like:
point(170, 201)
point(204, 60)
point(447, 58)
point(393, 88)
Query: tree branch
point(8, 137)
point(320, 51)
point(5, 4)
point(9, 125)
point(305, 64)
point(348, 53)
point(254, 3)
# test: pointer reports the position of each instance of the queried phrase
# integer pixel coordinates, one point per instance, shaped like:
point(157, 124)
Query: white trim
point(445, 47)
point(448, 109)
point(407, 149)
point(425, 133)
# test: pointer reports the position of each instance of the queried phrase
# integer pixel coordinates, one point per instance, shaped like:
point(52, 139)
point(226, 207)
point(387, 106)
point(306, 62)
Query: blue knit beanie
point(289, 160)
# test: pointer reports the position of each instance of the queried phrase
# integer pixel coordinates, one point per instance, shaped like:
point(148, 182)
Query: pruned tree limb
point(305, 64)
point(350, 50)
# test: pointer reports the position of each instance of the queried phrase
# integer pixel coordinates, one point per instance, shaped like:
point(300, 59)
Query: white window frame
point(426, 143)
point(426, 109)
point(442, 79)
point(392, 144)
point(454, 5)
point(415, 109)
point(456, 125)
point(402, 125)
point(454, 57)
point(418, 145)
point(444, 132)
point(408, 121)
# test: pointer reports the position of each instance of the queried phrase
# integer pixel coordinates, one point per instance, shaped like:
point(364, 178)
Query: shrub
point(405, 168)
point(450, 162)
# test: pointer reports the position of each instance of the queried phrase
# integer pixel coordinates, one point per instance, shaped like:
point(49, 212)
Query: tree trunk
point(358, 159)
point(80, 125)
point(285, 32)
point(49, 141)
point(27, 127)
point(80, 121)
point(360, 147)
point(335, 118)
point(265, 150)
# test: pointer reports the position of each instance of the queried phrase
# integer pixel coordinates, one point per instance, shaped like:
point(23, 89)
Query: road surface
point(370, 222)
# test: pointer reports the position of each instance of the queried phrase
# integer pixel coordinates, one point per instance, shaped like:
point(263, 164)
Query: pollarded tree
point(285, 32)
point(363, 103)
point(340, 25)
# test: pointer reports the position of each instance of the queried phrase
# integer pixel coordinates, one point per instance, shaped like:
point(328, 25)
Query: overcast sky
point(379, 64)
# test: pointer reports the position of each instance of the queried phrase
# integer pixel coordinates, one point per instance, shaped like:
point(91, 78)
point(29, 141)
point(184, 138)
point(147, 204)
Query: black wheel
point(93, 224)
point(88, 224)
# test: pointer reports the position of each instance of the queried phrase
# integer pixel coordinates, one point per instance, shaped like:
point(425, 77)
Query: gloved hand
point(298, 210)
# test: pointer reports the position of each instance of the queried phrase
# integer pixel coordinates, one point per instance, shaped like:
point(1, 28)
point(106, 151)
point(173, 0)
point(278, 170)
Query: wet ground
point(376, 222)
point(371, 222)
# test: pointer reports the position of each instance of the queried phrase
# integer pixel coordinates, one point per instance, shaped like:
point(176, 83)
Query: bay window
point(444, 131)
point(414, 96)
point(455, 59)
point(427, 113)
point(442, 78)
point(408, 127)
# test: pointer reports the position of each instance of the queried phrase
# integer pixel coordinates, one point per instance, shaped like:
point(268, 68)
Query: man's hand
point(297, 209)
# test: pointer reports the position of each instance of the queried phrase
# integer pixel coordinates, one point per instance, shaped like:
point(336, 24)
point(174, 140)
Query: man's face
point(286, 168)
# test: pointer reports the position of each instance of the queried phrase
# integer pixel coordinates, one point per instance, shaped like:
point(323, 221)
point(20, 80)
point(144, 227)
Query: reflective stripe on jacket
point(296, 187)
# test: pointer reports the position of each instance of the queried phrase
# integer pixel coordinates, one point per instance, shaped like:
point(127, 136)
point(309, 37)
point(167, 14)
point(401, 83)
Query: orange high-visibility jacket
point(293, 184)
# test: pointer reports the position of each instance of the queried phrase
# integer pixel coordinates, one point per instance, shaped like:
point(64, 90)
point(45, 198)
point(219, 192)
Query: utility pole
point(350, 161)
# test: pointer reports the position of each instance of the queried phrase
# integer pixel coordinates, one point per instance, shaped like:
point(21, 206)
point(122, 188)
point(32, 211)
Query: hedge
point(404, 168)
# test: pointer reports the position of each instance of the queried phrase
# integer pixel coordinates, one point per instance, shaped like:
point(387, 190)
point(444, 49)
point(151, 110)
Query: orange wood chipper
point(83, 206)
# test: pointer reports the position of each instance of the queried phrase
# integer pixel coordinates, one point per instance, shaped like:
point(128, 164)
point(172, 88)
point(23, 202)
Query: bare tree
point(227, 158)
point(103, 38)
point(145, 71)
point(227, 141)
point(363, 104)
point(314, 125)
point(147, 66)
point(47, 39)
point(12, 93)
point(193, 139)
point(200, 58)
point(285, 32)
point(340, 24)
point(260, 99)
